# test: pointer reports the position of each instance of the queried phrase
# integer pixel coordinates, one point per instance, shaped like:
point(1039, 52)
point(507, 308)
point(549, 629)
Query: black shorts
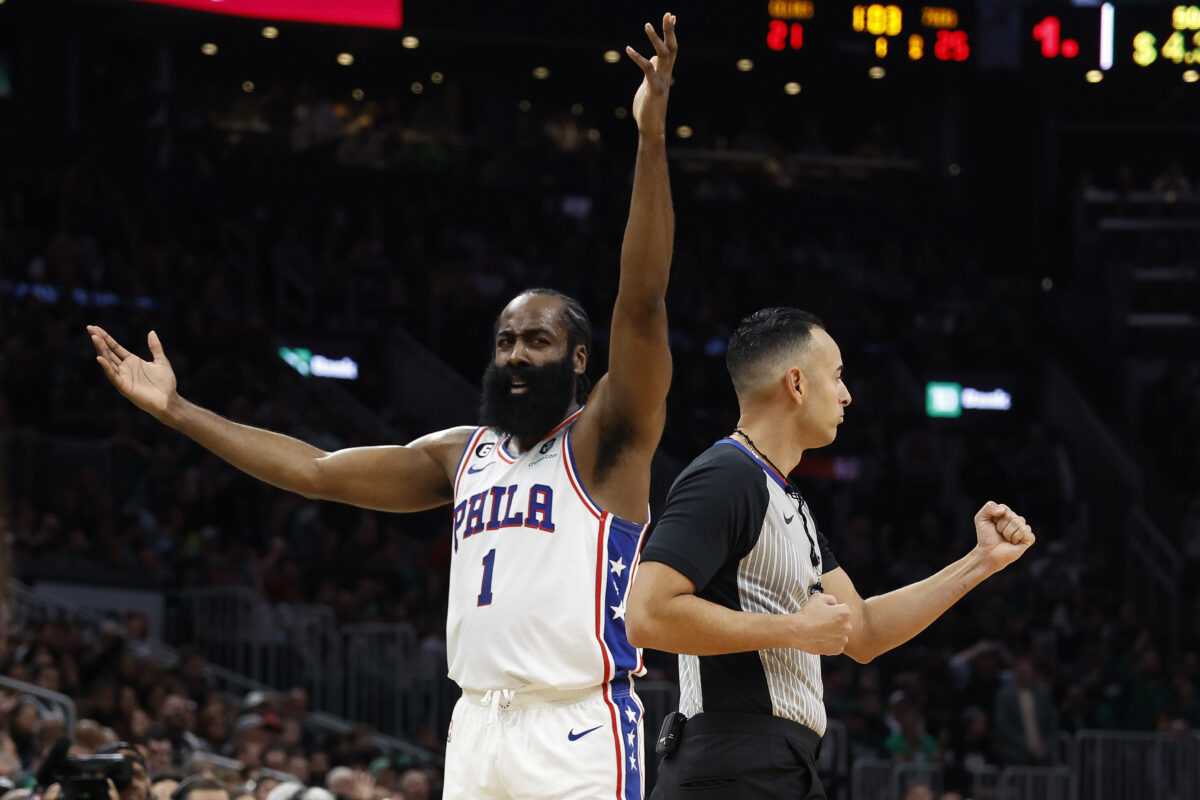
point(730, 756)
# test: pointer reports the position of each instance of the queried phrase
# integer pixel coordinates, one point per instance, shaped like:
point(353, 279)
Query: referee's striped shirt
point(736, 528)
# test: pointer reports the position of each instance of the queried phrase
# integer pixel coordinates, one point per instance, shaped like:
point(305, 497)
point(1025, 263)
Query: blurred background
point(321, 207)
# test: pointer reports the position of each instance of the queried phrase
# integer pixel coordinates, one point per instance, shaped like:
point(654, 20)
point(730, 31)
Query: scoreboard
point(1094, 41)
point(884, 32)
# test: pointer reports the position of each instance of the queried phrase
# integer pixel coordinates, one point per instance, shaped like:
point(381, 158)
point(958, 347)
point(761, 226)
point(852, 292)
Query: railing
point(263, 639)
point(1117, 765)
point(64, 705)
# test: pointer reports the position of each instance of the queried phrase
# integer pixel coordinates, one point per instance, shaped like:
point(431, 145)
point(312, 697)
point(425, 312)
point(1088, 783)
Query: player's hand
point(650, 102)
point(823, 626)
point(1002, 533)
point(150, 385)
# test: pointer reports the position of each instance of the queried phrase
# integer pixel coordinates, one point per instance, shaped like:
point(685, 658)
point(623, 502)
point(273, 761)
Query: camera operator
point(117, 772)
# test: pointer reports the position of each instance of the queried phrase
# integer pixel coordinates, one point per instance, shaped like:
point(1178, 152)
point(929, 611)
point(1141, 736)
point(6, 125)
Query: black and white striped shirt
point(741, 533)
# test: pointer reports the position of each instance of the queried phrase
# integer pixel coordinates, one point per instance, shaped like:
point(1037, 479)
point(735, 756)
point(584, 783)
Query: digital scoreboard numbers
point(890, 31)
point(920, 32)
point(1171, 36)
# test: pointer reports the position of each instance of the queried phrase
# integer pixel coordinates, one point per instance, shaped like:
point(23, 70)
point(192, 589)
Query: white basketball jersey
point(538, 574)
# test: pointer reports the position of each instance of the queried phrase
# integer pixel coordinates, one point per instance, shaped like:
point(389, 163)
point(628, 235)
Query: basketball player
point(550, 500)
point(738, 579)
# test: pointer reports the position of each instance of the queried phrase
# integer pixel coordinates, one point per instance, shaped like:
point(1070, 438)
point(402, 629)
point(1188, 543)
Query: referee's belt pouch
point(671, 733)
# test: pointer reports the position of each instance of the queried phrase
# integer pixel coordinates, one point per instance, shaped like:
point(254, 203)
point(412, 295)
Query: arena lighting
point(345, 59)
point(417, 87)
point(791, 87)
point(410, 43)
point(437, 77)
point(307, 363)
point(208, 48)
point(1191, 76)
point(361, 13)
point(612, 56)
point(684, 132)
point(1093, 76)
point(524, 106)
point(577, 109)
point(541, 73)
point(745, 65)
point(270, 32)
point(876, 72)
point(620, 112)
point(247, 86)
point(358, 94)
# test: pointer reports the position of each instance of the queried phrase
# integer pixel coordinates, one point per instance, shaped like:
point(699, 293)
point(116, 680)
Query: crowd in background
point(393, 220)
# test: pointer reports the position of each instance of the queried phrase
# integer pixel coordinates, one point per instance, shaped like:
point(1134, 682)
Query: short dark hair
point(766, 334)
point(579, 332)
point(195, 783)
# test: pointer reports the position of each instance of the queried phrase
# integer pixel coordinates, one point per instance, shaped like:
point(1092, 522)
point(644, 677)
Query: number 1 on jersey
point(485, 591)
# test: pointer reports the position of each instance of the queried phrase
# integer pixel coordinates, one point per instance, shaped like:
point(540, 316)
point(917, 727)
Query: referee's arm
point(889, 620)
point(663, 612)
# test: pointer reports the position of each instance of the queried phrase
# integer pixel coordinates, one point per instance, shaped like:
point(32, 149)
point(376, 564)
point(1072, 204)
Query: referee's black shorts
point(731, 756)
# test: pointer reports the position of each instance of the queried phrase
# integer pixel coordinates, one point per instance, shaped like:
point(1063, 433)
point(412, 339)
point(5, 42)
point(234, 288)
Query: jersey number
point(485, 591)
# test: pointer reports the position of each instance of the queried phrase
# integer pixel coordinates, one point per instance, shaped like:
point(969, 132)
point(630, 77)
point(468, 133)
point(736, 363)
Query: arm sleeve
point(829, 561)
point(713, 515)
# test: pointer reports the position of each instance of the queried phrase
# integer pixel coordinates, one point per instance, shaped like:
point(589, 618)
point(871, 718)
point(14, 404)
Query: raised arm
point(889, 620)
point(632, 396)
point(391, 478)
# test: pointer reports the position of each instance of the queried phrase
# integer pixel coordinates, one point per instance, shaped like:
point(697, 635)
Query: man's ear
point(580, 359)
point(795, 383)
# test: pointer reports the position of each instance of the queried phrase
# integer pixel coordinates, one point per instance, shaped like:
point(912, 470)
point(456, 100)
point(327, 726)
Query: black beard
point(534, 413)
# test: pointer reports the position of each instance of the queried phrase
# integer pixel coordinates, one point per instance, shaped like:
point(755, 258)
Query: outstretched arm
point(889, 620)
point(391, 478)
point(633, 393)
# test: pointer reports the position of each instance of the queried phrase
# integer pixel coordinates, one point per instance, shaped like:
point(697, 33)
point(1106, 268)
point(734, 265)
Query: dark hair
point(766, 334)
point(579, 332)
point(193, 783)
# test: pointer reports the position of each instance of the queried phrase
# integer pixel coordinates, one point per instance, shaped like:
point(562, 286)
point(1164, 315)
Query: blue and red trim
point(779, 478)
point(472, 443)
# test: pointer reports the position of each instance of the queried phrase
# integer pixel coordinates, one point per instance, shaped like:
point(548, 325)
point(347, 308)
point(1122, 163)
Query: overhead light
point(208, 48)
point(437, 77)
point(358, 94)
point(541, 73)
point(345, 59)
point(417, 87)
point(954, 169)
point(745, 65)
point(1191, 76)
point(612, 56)
point(791, 87)
point(270, 32)
point(247, 86)
point(876, 72)
point(621, 112)
point(577, 109)
point(684, 132)
point(593, 135)
point(1093, 76)
point(524, 106)
point(410, 43)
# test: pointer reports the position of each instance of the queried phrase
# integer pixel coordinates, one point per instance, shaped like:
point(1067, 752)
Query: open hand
point(150, 385)
point(650, 102)
point(1002, 533)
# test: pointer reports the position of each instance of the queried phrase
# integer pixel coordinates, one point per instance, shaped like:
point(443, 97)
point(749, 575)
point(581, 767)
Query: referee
point(738, 580)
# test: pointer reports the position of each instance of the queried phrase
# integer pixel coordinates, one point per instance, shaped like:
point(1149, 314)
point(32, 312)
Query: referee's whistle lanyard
point(813, 555)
